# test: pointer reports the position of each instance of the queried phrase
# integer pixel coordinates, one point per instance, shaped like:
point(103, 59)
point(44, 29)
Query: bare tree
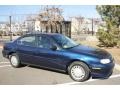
point(52, 15)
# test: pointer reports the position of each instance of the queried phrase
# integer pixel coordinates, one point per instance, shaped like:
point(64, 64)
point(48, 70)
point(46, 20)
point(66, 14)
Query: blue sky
point(88, 11)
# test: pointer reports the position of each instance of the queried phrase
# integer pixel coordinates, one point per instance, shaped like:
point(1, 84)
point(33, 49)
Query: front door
point(48, 57)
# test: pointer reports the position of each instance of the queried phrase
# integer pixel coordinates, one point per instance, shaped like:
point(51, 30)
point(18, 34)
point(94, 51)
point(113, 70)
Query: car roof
point(46, 34)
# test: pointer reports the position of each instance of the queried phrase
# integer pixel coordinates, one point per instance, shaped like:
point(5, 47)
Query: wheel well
point(74, 60)
point(10, 54)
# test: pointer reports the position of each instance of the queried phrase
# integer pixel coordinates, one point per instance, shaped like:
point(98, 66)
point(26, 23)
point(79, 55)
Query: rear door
point(27, 49)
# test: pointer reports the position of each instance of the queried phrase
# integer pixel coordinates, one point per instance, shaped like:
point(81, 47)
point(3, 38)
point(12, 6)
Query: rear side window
point(27, 41)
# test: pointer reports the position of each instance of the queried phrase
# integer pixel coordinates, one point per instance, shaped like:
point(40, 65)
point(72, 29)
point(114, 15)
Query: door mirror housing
point(53, 48)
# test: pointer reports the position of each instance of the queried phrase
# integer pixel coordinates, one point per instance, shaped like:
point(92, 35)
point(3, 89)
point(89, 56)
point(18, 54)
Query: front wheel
point(14, 60)
point(79, 71)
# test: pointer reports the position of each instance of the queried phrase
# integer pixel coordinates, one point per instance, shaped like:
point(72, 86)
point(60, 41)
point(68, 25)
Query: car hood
point(87, 50)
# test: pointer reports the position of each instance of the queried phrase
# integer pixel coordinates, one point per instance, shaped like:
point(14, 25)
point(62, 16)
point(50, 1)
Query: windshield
point(64, 41)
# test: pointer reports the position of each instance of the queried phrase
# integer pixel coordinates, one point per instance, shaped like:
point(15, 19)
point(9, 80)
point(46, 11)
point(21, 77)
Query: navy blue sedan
point(58, 52)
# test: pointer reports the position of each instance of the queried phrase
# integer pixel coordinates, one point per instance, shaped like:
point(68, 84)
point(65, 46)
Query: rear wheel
point(14, 60)
point(79, 71)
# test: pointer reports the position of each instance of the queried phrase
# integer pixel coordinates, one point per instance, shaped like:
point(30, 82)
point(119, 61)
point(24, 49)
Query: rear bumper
point(103, 71)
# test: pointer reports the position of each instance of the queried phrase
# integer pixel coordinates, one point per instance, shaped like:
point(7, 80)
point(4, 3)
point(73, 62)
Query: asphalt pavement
point(30, 75)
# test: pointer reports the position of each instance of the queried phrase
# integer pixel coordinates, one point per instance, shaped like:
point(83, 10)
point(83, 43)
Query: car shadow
point(47, 69)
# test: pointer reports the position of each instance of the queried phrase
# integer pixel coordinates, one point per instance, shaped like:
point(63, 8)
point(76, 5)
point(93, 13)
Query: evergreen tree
point(111, 15)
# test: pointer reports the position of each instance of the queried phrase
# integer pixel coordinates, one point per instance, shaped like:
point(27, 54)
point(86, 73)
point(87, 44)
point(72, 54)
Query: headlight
point(105, 61)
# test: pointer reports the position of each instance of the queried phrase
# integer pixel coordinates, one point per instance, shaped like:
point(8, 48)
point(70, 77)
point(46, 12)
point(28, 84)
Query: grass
point(114, 51)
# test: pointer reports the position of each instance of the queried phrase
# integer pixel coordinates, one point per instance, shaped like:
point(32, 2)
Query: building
point(37, 25)
point(4, 27)
point(83, 25)
point(63, 27)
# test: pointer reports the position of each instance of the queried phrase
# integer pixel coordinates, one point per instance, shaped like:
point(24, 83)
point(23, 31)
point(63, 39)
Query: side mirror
point(19, 42)
point(53, 48)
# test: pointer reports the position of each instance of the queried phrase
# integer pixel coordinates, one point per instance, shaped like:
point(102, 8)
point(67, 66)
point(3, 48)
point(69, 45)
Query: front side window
point(44, 42)
point(64, 41)
point(27, 41)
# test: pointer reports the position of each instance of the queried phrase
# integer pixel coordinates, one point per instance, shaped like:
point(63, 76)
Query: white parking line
point(5, 66)
point(117, 66)
point(114, 76)
point(72, 83)
point(1, 47)
point(91, 80)
point(4, 62)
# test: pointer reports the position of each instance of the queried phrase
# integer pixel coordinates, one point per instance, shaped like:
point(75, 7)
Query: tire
point(14, 60)
point(79, 71)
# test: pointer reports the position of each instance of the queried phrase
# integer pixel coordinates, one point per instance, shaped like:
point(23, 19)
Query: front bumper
point(5, 53)
point(102, 71)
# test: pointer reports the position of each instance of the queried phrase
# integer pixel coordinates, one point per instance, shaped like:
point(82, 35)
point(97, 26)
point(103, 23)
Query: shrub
point(106, 39)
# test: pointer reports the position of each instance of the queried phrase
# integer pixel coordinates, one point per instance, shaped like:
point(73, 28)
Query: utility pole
point(10, 29)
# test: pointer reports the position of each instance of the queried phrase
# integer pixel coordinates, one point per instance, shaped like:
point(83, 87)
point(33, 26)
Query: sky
point(87, 11)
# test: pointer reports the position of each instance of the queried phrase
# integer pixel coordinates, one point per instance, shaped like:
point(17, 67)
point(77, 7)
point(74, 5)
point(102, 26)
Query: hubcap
point(77, 72)
point(14, 61)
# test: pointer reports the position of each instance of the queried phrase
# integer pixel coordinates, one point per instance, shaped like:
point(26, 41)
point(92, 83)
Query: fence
point(77, 28)
point(21, 24)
